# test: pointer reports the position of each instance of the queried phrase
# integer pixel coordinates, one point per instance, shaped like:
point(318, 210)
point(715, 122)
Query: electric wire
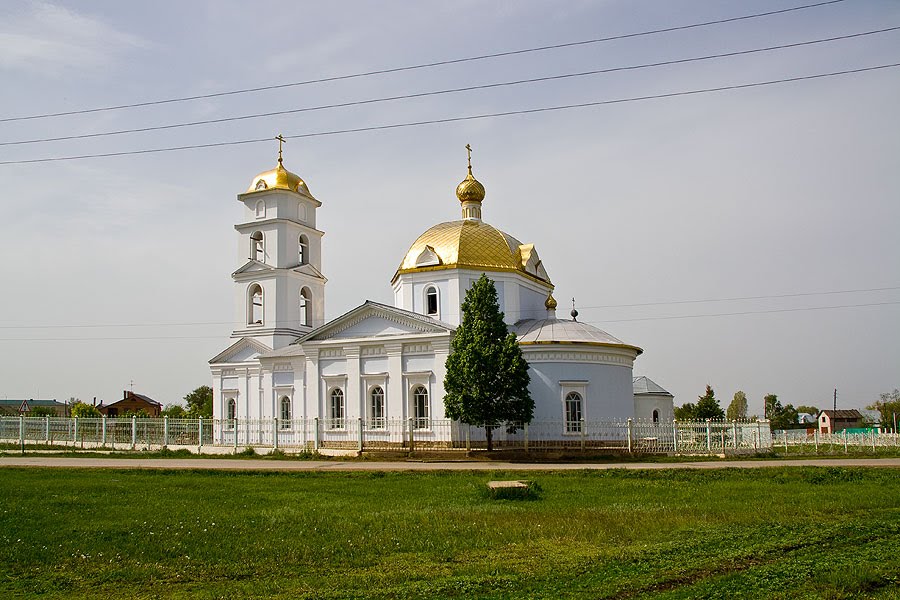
point(663, 318)
point(599, 306)
point(423, 65)
point(444, 91)
point(455, 119)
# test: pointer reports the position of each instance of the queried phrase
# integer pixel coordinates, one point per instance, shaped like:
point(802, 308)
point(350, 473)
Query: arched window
point(431, 301)
point(257, 247)
point(232, 409)
point(305, 308)
point(303, 249)
point(255, 305)
point(336, 409)
point(285, 412)
point(573, 412)
point(420, 407)
point(655, 416)
point(376, 408)
point(261, 209)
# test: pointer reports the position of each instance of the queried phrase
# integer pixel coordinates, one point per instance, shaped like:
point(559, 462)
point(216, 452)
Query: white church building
point(379, 363)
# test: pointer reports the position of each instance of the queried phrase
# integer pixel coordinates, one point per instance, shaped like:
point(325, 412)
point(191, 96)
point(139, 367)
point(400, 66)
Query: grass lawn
point(772, 533)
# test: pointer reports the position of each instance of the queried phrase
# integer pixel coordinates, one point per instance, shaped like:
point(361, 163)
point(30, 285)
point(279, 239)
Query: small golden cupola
point(470, 193)
point(550, 303)
point(279, 178)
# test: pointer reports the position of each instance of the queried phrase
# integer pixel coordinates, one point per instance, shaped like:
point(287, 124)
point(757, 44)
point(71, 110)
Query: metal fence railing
point(673, 437)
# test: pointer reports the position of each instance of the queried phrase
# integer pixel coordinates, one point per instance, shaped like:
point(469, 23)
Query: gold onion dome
point(550, 304)
point(470, 189)
point(279, 178)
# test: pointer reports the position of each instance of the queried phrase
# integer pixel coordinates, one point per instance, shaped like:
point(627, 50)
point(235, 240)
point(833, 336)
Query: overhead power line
point(665, 318)
point(580, 307)
point(456, 119)
point(447, 91)
point(422, 65)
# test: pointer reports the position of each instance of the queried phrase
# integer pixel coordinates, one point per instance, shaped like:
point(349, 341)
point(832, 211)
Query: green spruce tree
point(708, 407)
point(487, 377)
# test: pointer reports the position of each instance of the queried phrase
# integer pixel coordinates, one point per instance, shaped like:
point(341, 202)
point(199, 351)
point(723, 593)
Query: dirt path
point(346, 465)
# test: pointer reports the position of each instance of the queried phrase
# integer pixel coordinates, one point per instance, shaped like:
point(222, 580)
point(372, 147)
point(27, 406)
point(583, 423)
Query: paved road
point(339, 465)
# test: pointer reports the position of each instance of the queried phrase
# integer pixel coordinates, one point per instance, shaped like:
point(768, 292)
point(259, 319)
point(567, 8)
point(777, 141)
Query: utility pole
point(835, 399)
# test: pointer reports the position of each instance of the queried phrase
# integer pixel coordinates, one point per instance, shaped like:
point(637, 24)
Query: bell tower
point(279, 286)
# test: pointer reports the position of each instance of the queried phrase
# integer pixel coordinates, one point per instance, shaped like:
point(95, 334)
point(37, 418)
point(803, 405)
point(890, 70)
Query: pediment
point(243, 350)
point(376, 320)
point(254, 266)
point(428, 257)
point(309, 270)
point(531, 262)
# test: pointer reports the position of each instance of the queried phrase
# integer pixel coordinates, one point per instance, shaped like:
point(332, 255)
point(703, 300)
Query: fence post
point(235, 428)
point(74, 430)
point(133, 431)
point(734, 432)
point(199, 434)
point(526, 437)
point(784, 437)
point(275, 434)
point(845, 441)
point(468, 441)
point(873, 441)
point(708, 437)
point(359, 424)
point(630, 432)
point(47, 429)
point(103, 431)
point(758, 435)
point(316, 434)
point(166, 431)
point(816, 438)
point(22, 432)
point(412, 443)
point(581, 422)
point(675, 436)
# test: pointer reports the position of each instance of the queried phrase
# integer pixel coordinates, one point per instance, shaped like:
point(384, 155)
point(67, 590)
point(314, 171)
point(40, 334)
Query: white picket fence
point(404, 435)
point(799, 441)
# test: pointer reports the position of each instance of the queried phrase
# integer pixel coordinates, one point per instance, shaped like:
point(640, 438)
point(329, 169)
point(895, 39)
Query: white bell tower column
point(279, 286)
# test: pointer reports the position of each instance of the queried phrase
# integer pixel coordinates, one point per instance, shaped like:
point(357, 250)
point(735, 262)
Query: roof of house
point(645, 385)
point(32, 403)
point(132, 396)
point(842, 414)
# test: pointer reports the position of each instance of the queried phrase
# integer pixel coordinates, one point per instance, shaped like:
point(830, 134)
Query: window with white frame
point(420, 407)
point(285, 412)
point(261, 209)
point(336, 409)
point(257, 246)
point(303, 249)
point(255, 305)
point(376, 408)
point(431, 301)
point(574, 412)
point(231, 412)
point(305, 308)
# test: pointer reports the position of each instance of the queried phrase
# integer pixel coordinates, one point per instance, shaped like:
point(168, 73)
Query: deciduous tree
point(200, 402)
point(82, 409)
point(737, 410)
point(487, 377)
point(888, 405)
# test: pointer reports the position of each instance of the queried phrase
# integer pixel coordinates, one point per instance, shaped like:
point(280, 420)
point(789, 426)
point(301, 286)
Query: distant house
point(806, 419)
point(131, 402)
point(652, 402)
point(13, 407)
point(833, 421)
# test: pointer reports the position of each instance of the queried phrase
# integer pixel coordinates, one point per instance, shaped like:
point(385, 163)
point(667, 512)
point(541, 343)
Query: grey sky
point(776, 190)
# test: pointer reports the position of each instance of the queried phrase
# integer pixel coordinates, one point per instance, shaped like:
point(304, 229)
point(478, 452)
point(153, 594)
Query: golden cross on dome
point(469, 151)
point(281, 141)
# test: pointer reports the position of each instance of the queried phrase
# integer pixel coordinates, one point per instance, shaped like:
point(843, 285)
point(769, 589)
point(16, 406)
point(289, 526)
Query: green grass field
point(771, 533)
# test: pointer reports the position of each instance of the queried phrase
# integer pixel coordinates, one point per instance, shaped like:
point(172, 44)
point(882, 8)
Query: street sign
point(24, 408)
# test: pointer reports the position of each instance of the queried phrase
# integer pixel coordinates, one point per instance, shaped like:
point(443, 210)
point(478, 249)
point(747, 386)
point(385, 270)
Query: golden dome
point(470, 189)
point(550, 304)
point(279, 178)
point(466, 244)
